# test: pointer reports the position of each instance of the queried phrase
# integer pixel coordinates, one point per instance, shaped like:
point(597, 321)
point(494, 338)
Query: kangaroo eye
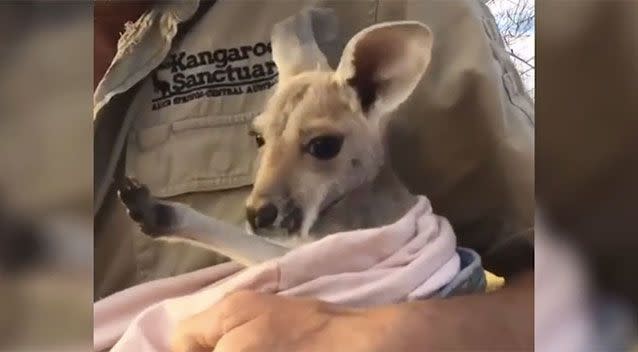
point(325, 147)
point(259, 139)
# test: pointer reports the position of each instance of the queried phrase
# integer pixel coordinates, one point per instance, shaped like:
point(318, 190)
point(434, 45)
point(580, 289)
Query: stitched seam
point(212, 183)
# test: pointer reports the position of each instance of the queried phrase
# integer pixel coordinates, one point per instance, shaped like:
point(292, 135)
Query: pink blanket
point(407, 260)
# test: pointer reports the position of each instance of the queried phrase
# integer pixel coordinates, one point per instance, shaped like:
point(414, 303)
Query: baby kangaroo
point(323, 164)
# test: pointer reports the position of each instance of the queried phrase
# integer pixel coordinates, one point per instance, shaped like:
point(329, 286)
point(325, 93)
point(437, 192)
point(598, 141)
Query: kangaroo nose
point(262, 217)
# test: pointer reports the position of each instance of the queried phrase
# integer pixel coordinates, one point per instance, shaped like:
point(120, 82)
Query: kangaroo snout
point(263, 216)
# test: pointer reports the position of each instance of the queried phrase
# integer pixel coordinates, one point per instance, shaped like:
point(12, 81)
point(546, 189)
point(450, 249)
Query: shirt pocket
point(196, 154)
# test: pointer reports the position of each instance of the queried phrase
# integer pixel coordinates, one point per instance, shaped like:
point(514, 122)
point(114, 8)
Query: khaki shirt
point(175, 112)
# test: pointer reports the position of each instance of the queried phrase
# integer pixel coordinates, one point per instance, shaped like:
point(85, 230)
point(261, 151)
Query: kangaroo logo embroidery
point(160, 86)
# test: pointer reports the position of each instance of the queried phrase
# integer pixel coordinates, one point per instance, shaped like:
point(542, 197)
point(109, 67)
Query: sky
point(523, 46)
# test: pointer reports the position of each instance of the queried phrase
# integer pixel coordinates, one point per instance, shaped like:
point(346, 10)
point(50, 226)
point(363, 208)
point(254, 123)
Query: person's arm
point(249, 321)
point(502, 320)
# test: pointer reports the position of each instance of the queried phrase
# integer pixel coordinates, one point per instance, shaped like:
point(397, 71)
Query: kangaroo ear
point(384, 63)
point(294, 41)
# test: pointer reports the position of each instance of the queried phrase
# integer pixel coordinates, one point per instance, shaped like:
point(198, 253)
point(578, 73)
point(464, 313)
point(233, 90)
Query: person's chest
point(192, 115)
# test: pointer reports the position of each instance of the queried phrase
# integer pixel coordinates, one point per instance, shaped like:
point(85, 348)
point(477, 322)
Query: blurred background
point(586, 164)
point(45, 183)
point(586, 296)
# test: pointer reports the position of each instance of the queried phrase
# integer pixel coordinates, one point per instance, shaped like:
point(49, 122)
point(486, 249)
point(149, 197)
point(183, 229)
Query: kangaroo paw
point(156, 218)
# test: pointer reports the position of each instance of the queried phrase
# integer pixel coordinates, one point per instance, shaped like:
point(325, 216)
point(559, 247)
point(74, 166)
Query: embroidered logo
point(232, 71)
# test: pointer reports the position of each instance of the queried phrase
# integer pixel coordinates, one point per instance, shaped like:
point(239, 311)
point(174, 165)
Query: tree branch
point(521, 60)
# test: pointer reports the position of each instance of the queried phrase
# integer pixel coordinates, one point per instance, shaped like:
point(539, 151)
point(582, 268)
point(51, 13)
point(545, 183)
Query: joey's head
point(320, 134)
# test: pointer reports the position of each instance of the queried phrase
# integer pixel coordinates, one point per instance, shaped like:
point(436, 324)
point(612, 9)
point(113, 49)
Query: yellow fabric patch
point(494, 282)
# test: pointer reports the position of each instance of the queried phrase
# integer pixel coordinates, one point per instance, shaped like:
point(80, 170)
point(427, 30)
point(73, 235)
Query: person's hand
point(249, 321)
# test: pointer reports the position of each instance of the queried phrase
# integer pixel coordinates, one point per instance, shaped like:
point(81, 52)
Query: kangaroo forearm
point(227, 239)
